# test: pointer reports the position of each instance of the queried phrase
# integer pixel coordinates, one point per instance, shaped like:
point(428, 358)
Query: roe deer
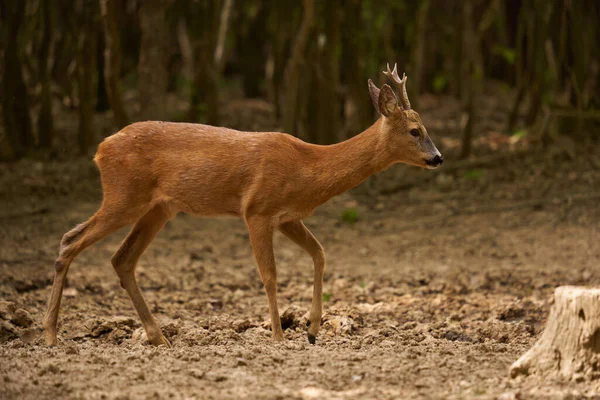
point(152, 170)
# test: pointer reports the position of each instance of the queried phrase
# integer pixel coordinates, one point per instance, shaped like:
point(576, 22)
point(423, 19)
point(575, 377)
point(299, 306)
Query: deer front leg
point(261, 238)
point(299, 234)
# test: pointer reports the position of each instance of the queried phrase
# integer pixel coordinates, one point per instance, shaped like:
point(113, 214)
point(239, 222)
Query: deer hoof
point(160, 340)
point(166, 342)
point(312, 339)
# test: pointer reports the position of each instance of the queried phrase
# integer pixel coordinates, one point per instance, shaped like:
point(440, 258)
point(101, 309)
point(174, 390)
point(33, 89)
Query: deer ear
point(374, 92)
point(387, 101)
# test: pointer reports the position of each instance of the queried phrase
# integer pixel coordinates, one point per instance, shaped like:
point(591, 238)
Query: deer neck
point(345, 165)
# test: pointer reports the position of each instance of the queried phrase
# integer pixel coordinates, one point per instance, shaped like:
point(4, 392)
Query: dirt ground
point(432, 293)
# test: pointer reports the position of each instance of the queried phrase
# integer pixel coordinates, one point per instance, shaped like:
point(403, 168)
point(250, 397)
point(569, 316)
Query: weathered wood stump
point(570, 345)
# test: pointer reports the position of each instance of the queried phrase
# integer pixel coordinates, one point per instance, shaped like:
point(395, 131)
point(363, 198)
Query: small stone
point(7, 308)
point(139, 335)
point(241, 362)
point(22, 318)
point(242, 325)
point(7, 332)
point(17, 344)
point(70, 292)
point(215, 377)
point(49, 368)
point(508, 396)
point(196, 373)
point(71, 350)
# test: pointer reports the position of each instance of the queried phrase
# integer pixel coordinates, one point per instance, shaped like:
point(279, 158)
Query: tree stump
point(570, 345)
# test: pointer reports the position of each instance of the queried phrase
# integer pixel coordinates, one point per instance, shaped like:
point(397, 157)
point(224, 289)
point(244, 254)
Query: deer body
point(150, 171)
point(208, 171)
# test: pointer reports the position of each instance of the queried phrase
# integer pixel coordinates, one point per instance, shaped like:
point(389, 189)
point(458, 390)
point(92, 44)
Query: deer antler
point(400, 85)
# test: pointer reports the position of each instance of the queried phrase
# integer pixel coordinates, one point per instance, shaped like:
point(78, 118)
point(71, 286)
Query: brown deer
point(150, 171)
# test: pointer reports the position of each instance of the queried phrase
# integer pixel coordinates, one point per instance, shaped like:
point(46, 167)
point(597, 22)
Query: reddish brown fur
point(152, 170)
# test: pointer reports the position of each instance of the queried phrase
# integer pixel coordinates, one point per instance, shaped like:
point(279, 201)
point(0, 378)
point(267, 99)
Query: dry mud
point(432, 293)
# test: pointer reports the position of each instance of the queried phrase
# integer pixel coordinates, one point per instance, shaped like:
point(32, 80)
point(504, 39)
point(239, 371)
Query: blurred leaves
point(350, 215)
point(508, 54)
point(440, 83)
point(474, 174)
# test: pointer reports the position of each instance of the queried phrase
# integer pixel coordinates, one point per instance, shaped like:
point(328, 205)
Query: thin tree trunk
point(86, 74)
point(278, 47)
point(15, 100)
point(469, 77)
point(358, 109)
point(328, 112)
point(102, 102)
point(252, 51)
point(186, 49)
point(152, 66)
point(45, 122)
point(292, 71)
point(521, 77)
point(419, 53)
point(206, 88)
point(219, 58)
point(112, 60)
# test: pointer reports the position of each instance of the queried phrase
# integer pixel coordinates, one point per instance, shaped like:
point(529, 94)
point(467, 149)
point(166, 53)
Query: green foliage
point(520, 134)
point(508, 54)
point(327, 297)
point(474, 174)
point(440, 83)
point(350, 215)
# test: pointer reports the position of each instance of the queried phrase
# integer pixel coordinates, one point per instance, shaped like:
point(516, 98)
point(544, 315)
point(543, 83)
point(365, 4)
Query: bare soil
point(432, 293)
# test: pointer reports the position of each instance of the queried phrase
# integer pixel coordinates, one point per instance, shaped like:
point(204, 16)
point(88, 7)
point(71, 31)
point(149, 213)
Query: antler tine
point(404, 93)
point(399, 83)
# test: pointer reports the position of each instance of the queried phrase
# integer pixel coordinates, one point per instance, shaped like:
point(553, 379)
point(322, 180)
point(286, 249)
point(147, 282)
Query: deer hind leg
point(261, 238)
point(299, 234)
point(103, 223)
point(125, 260)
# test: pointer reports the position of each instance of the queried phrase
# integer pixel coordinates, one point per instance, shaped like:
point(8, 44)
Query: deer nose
point(436, 161)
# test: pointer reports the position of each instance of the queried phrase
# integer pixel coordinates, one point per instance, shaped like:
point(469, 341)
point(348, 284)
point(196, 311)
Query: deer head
point(405, 136)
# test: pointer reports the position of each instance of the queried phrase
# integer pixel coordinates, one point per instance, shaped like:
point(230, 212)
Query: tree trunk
point(152, 66)
point(45, 122)
point(328, 111)
point(186, 49)
point(358, 111)
point(276, 64)
point(225, 17)
point(293, 69)
point(252, 52)
point(419, 53)
point(570, 344)
point(86, 71)
point(102, 102)
point(112, 61)
point(469, 77)
point(206, 76)
point(15, 100)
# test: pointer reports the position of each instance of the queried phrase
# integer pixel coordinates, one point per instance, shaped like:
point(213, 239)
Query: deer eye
point(415, 133)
